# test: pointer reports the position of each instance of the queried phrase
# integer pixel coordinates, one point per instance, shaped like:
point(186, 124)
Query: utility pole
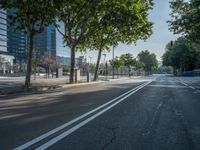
point(113, 74)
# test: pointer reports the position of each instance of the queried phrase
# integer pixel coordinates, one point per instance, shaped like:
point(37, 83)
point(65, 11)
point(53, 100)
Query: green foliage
point(139, 65)
point(29, 15)
point(121, 21)
point(182, 55)
point(129, 61)
point(78, 19)
point(149, 60)
point(185, 18)
point(80, 22)
point(117, 63)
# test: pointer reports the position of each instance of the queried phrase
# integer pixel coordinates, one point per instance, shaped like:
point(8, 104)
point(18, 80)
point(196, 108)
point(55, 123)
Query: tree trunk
point(29, 64)
point(174, 70)
point(97, 65)
point(129, 71)
point(48, 71)
point(71, 78)
point(117, 73)
point(34, 71)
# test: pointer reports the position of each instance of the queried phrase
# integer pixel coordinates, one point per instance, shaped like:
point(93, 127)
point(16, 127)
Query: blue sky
point(156, 43)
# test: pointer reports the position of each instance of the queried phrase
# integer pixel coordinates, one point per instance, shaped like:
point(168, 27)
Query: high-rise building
point(62, 50)
point(6, 60)
point(48, 41)
point(52, 42)
point(3, 31)
point(45, 41)
point(17, 42)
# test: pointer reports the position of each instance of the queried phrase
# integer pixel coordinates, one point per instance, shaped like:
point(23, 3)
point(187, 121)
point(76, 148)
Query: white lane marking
point(167, 86)
point(188, 85)
point(191, 87)
point(45, 135)
point(184, 83)
point(76, 127)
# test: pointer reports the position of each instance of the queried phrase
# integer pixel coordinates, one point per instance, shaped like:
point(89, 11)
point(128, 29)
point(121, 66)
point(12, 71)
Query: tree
point(120, 21)
point(128, 61)
point(185, 18)
point(182, 55)
point(149, 60)
point(29, 16)
point(139, 66)
point(48, 61)
point(77, 19)
point(117, 63)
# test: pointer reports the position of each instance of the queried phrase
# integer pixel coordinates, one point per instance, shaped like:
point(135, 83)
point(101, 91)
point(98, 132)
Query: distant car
point(187, 74)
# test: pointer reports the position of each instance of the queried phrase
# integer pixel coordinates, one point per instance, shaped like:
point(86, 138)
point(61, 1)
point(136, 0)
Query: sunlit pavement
point(157, 113)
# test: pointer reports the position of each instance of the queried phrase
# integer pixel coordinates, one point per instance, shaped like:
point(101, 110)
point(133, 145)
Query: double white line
point(99, 111)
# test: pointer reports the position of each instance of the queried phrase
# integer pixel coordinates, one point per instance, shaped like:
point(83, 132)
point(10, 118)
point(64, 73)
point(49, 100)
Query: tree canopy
point(119, 21)
point(79, 23)
point(149, 60)
point(129, 61)
point(185, 18)
point(182, 55)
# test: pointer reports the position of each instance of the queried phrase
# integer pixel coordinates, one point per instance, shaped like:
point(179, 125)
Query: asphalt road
point(155, 113)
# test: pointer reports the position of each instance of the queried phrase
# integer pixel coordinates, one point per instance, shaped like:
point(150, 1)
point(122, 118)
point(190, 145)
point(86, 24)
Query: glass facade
point(6, 58)
point(62, 51)
point(3, 31)
point(17, 42)
point(45, 41)
point(51, 41)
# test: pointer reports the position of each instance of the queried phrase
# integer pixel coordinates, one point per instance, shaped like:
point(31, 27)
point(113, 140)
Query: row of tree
point(182, 54)
point(145, 61)
point(84, 24)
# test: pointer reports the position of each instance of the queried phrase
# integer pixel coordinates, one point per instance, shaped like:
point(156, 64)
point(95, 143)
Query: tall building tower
point(62, 50)
point(45, 41)
point(17, 42)
point(3, 31)
point(6, 60)
point(51, 41)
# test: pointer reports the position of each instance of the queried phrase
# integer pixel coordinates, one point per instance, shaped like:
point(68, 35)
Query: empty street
point(156, 112)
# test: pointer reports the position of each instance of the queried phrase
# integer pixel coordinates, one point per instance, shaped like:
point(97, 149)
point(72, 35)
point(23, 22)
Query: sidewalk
point(14, 85)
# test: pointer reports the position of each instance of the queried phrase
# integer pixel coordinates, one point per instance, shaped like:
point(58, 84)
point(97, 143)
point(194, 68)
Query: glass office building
point(51, 41)
point(17, 42)
point(45, 41)
point(6, 59)
point(62, 51)
point(48, 41)
point(3, 31)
